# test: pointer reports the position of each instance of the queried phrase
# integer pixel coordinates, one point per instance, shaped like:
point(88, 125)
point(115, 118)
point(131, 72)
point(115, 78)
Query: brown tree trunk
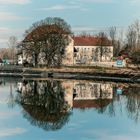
point(36, 57)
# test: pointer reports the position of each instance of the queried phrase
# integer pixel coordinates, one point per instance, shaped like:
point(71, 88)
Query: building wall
point(87, 55)
point(90, 54)
point(93, 91)
point(20, 59)
point(68, 57)
point(68, 89)
point(27, 57)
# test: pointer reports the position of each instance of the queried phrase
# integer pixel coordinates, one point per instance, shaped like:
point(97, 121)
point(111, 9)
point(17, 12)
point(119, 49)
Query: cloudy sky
point(18, 15)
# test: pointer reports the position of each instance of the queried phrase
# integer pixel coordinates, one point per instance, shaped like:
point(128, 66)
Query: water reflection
point(49, 104)
point(132, 95)
point(44, 103)
point(92, 95)
point(126, 100)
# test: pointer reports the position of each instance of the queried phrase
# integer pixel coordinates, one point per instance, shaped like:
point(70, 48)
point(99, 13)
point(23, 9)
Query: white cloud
point(11, 30)
point(3, 29)
point(20, 2)
point(97, 1)
point(5, 33)
point(10, 16)
point(82, 28)
point(3, 40)
point(109, 1)
point(134, 1)
point(88, 29)
point(61, 7)
point(7, 114)
point(109, 135)
point(11, 131)
point(72, 2)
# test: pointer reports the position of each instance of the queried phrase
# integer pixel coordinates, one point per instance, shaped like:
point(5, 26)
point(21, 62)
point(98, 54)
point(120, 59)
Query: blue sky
point(18, 15)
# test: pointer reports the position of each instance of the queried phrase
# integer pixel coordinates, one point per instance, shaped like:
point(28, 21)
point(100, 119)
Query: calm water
point(68, 109)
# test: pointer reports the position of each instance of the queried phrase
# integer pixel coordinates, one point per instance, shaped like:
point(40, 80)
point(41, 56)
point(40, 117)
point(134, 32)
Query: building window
point(77, 49)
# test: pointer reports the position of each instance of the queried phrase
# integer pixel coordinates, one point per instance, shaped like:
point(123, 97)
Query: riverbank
point(83, 73)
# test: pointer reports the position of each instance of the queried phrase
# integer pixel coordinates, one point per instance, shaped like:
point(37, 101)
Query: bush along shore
point(95, 73)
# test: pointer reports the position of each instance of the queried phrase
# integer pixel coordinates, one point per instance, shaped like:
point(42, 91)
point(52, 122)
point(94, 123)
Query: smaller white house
point(19, 56)
point(23, 56)
point(20, 59)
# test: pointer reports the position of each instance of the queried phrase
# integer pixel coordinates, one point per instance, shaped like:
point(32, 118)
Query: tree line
point(51, 36)
point(9, 53)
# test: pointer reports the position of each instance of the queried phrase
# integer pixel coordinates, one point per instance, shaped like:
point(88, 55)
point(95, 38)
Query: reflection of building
point(88, 94)
point(48, 104)
point(74, 92)
point(85, 94)
point(68, 89)
point(92, 91)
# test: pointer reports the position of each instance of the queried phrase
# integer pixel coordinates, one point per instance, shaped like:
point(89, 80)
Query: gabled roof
point(91, 41)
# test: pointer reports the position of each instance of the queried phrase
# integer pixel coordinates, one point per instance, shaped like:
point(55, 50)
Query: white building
point(82, 50)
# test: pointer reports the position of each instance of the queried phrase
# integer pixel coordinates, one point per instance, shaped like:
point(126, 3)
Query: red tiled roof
point(90, 41)
point(90, 103)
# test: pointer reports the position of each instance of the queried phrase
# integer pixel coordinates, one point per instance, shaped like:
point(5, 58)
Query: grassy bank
point(91, 70)
point(98, 73)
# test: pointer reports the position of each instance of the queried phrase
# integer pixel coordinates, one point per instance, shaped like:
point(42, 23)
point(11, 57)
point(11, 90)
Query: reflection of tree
point(44, 105)
point(39, 116)
point(102, 105)
point(130, 100)
point(11, 100)
point(111, 108)
point(133, 103)
point(103, 102)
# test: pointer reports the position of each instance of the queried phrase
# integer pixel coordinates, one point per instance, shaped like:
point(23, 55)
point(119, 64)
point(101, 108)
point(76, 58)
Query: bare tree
point(133, 41)
point(135, 55)
point(116, 39)
point(50, 37)
point(112, 33)
point(12, 42)
point(133, 35)
point(102, 42)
